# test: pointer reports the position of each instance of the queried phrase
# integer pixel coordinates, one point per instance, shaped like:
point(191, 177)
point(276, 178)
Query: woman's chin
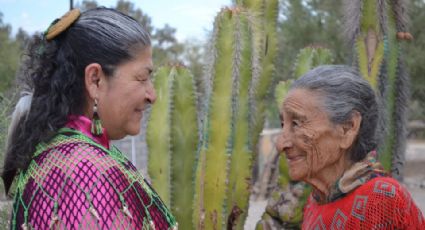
point(296, 175)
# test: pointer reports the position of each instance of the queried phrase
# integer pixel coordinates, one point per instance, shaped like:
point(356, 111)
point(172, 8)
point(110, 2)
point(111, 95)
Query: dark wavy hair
point(53, 72)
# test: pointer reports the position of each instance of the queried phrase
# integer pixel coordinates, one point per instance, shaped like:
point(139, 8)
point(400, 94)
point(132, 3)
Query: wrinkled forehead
point(303, 103)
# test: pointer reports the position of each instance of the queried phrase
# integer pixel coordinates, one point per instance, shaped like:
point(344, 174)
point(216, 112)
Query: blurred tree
point(10, 51)
point(415, 59)
point(22, 38)
point(127, 7)
point(308, 22)
point(86, 5)
point(194, 57)
point(166, 48)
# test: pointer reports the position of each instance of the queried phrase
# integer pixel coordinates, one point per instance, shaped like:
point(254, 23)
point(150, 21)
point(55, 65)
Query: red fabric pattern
point(381, 203)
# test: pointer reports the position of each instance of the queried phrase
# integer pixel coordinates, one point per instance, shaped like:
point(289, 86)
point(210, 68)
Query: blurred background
point(180, 31)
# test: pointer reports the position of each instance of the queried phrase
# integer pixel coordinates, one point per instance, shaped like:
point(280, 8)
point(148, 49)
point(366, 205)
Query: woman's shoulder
point(386, 186)
point(75, 153)
point(385, 192)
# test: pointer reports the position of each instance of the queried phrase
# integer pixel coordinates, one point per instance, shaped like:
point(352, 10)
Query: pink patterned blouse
point(79, 181)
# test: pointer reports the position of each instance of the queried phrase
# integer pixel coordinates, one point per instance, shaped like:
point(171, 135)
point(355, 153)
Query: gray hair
point(345, 91)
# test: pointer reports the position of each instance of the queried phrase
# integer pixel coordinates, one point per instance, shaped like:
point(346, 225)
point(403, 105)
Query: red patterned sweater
point(381, 203)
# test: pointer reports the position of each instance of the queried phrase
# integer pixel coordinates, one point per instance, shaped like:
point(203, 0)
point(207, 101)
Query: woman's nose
point(283, 141)
point(151, 94)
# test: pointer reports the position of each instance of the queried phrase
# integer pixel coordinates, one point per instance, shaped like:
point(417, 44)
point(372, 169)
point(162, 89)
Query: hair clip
point(60, 25)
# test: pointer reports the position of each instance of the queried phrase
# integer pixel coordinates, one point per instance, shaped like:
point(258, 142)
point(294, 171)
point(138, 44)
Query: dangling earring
point(96, 125)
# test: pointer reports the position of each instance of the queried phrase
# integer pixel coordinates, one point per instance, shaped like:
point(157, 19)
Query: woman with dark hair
point(87, 82)
point(329, 120)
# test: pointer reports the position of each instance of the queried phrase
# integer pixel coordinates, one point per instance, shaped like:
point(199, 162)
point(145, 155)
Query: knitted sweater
point(77, 181)
point(381, 203)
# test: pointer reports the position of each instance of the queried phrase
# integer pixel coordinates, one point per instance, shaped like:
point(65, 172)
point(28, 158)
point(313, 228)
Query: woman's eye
point(143, 80)
point(295, 123)
point(281, 124)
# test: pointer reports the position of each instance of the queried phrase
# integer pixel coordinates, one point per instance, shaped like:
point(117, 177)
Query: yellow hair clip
point(60, 25)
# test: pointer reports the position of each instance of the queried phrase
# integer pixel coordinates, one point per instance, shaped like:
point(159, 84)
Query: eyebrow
point(294, 114)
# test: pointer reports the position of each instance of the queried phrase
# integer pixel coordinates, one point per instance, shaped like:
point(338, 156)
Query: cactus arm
point(158, 135)
point(280, 91)
point(184, 143)
point(242, 154)
point(215, 149)
point(304, 62)
point(369, 43)
point(392, 63)
point(310, 57)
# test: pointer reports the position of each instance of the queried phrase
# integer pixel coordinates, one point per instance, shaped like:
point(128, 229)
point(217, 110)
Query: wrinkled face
point(308, 139)
point(125, 96)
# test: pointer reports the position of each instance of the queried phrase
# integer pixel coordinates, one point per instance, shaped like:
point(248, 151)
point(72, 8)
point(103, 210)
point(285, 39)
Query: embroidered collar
point(358, 174)
point(83, 124)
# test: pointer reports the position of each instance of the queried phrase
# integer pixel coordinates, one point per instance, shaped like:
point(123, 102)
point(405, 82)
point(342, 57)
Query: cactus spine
point(173, 138)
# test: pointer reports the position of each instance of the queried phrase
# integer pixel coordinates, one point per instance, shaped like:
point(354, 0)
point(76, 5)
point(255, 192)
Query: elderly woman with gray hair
point(329, 120)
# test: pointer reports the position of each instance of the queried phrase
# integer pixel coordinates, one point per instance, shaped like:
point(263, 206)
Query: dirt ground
point(414, 180)
point(414, 172)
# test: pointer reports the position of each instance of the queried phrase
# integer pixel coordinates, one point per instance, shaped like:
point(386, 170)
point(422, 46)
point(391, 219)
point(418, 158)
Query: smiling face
point(123, 97)
point(309, 140)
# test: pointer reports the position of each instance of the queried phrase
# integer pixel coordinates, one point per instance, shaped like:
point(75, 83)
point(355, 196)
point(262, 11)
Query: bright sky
point(191, 18)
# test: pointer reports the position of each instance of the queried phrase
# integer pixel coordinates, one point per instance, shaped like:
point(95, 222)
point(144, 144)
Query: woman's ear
point(93, 75)
point(350, 130)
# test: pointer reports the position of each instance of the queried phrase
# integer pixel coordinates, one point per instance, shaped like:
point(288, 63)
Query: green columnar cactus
point(242, 152)
point(396, 93)
point(370, 43)
point(374, 29)
point(184, 145)
point(218, 140)
point(158, 135)
point(172, 137)
point(310, 57)
point(264, 53)
point(267, 30)
point(287, 201)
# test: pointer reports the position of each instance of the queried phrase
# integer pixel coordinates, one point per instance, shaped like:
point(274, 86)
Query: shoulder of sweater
point(385, 188)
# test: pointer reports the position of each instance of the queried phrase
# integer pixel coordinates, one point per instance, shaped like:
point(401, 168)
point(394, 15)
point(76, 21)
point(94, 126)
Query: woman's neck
point(323, 181)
